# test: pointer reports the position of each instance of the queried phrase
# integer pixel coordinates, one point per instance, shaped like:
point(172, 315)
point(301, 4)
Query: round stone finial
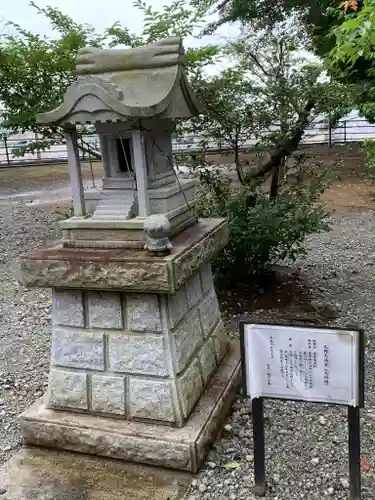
point(157, 229)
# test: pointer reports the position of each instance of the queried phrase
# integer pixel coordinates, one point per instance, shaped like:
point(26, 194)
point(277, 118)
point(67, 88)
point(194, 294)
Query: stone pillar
point(75, 173)
point(136, 356)
point(141, 367)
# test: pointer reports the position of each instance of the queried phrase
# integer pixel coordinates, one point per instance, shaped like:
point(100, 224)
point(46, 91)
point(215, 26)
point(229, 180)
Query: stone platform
point(125, 270)
point(181, 448)
point(38, 474)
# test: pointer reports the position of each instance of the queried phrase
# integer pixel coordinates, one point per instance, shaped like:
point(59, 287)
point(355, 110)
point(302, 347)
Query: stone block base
point(176, 448)
point(126, 270)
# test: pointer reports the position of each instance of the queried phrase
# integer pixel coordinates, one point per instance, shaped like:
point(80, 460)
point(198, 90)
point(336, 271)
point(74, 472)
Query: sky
point(101, 16)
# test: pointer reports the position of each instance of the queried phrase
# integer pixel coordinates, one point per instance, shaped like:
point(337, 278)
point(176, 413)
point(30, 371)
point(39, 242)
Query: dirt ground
point(20, 179)
point(350, 193)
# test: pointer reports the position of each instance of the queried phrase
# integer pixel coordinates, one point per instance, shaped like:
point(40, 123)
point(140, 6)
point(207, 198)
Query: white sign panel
point(308, 364)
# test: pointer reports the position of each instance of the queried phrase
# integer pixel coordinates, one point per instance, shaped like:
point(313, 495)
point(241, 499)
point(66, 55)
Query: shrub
point(264, 231)
point(368, 148)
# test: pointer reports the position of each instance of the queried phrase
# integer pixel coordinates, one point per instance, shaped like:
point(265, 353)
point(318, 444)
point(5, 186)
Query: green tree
point(271, 95)
point(35, 71)
point(340, 32)
point(266, 86)
point(233, 113)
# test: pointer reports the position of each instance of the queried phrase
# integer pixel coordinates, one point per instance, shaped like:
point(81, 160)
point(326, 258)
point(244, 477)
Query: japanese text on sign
point(308, 364)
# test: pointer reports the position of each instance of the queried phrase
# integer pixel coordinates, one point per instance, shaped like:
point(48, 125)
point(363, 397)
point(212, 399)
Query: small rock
point(315, 460)
point(228, 428)
point(344, 483)
point(212, 465)
point(322, 420)
point(330, 491)
point(202, 488)
point(232, 496)
point(249, 458)
point(194, 483)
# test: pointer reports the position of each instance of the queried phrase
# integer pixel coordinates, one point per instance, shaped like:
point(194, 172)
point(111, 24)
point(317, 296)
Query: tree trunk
point(274, 182)
point(86, 148)
point(237, 162)
point(289, 145)
point(277, 173)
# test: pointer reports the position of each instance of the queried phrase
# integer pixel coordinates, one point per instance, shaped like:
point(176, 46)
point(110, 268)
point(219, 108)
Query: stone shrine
point(141, 367)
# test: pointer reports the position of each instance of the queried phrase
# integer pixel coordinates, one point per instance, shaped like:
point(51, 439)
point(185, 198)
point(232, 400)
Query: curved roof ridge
point(167, 52)
point(131, 83)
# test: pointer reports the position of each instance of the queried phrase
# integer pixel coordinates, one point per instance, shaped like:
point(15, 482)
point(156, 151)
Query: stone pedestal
point(133, 355)
point(141, 367)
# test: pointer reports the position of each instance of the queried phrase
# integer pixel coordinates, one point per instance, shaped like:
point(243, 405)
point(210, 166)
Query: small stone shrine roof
point(119, 85)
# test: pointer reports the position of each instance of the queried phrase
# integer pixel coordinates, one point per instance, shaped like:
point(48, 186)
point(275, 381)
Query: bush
point(368, 148)
point(264, 231)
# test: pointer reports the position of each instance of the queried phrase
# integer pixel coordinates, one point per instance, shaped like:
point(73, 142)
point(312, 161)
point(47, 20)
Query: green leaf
point(232, 465)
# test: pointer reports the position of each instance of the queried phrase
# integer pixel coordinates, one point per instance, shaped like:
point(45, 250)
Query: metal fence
point(346, 131)
point(9, 152)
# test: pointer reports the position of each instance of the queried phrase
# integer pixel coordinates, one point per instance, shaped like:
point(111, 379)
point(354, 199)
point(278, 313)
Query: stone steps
point(114, 204)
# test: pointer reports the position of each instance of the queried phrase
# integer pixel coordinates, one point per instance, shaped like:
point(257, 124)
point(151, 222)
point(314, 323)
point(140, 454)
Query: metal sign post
point(300, 363)
point(259, 448)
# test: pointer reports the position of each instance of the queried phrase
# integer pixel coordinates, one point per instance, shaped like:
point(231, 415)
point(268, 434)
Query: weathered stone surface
point(145, 86)
point(221, 342)
point(126, 270)
point(151, 400)
point(209, 313)
point(111, 442)
point(144, 354)
point(108, 394)
point(207, 277)
point(193, 290)
point(161, 445)
point(67, 389)
point(157, 228)
point(143, 314)
point(128, 276)
point(187, 337)
point(224, 402)
point(191, 387)
point(77, 348)
point(207, 360)
point(104, 310)
point(176, 306)
point(128, 235)
point(209, 244)
point(67, 307)
point(45, 474)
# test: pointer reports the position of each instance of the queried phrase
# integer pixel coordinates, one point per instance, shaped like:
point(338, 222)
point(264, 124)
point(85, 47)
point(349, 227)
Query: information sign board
point(308, 364)
point(303, 363)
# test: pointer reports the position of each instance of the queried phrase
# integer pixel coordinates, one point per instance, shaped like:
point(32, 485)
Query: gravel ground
point(24, 320)
point(306, 445)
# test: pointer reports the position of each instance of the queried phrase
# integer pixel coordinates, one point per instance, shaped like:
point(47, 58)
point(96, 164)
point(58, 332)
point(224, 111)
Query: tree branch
point(259, 64)
point(289, 145)
point(85, 147)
